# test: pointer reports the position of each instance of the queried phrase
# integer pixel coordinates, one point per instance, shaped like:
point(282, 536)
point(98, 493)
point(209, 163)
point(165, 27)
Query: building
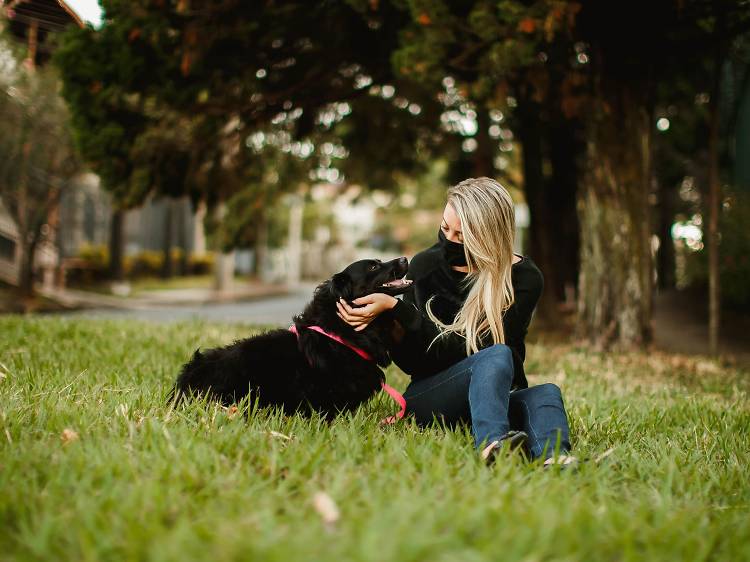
point(35, 21)
point(31, 22)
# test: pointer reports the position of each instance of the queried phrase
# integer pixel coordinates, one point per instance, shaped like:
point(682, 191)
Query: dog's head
point(371, 276)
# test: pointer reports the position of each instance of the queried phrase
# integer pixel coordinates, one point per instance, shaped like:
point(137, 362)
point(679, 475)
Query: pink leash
point(392, 392)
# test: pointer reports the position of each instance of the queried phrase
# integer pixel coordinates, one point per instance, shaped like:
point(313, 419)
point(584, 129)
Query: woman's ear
point(341, 286)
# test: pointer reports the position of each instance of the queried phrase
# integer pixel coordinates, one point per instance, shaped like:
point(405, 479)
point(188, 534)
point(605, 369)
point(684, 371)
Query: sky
point(89, 10)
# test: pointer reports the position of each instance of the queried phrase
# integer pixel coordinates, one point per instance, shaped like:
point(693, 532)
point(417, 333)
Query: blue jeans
point(477, 390)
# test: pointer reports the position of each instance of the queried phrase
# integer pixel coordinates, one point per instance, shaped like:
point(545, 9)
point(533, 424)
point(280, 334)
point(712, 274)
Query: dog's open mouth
point(397, 283)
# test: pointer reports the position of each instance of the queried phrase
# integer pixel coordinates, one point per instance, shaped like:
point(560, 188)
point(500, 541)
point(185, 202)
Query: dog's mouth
point(397, 283)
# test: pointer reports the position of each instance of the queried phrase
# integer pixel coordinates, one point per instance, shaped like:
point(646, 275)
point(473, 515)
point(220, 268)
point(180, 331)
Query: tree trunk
point(26, 272)
point(742, 135)
point(665, 258)
point(615, 280)
point(562, 232)
point(261, 245)
point(712, 231)
point(199, 235)
point(484, 165)
point(167, 269)
point(294, 240)
point(223, 262)
point(116, 243)
point(530, 135)
point(182, 264)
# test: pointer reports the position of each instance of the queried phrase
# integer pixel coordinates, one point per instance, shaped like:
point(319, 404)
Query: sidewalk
point(681, 326)
point(74, 298)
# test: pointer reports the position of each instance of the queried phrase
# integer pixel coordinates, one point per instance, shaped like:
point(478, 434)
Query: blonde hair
point(488, 225)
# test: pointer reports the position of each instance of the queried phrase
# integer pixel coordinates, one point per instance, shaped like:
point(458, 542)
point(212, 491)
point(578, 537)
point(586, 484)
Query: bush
point(146, 263)
point(200, 264)
point(91, 265)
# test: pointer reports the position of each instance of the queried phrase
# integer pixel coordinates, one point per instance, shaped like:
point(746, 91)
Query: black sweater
point(432, 275)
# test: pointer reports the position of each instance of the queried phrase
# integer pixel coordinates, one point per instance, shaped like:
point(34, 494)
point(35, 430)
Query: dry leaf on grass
point(604, 455)
point(122, 410)
point(279, 435)
point(68, 436)
point(326, 508)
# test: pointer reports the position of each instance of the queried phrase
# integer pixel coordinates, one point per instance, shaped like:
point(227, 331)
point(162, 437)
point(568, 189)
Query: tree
point(698, 109)
point(215, 72)
point(509, 60)
point(37, 157)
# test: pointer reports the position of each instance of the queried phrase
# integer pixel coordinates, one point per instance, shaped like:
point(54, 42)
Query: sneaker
point(510, 441)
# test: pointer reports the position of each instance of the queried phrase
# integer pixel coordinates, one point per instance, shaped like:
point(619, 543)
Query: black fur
point(315, 373)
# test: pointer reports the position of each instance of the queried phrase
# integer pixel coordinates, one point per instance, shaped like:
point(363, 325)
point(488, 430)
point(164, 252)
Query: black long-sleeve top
point(431, 275)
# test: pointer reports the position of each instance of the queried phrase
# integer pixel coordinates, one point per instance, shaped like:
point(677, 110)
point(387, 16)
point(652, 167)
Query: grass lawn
point(178, 282)
point(94, 466)
point(148, 284)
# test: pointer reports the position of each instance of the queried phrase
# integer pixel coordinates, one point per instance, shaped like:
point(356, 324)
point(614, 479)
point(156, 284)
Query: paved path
point(681, 326)
point(276, 310)
point(679, 318)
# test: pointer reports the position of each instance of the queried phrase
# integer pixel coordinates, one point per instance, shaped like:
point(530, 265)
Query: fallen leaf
point(326, 508)
point(279, 435)
point(68, 436)
point(604, 455)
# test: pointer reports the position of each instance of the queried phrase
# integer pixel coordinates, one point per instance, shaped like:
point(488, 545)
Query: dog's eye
point(373, 267)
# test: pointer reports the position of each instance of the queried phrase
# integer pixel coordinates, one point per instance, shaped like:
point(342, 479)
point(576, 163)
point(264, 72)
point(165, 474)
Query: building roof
point(46, 16)
point(52, 15)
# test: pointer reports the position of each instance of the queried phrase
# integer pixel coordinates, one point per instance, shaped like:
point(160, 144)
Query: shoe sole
point(513, 443)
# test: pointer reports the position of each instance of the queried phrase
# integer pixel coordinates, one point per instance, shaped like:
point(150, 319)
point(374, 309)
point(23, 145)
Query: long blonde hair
point(488, 225)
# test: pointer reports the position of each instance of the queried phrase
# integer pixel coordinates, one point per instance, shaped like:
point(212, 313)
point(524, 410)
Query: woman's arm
point(413, 332)
point(374, 305)
point(412, 328)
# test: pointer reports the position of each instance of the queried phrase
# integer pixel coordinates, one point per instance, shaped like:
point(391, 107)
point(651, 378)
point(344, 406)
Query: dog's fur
point(314, 372)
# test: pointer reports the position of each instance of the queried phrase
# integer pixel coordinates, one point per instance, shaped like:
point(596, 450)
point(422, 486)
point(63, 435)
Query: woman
point(463, 327)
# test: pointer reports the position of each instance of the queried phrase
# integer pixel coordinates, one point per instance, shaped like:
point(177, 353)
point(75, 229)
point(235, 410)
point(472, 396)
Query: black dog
point(309, 371)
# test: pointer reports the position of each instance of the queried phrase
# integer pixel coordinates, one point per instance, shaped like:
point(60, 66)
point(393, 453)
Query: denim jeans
point(476, 390)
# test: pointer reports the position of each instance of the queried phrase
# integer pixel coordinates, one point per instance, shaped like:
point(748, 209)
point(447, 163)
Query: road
point(271, 311)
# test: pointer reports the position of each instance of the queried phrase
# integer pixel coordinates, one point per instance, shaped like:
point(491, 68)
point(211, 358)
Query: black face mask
point(452, 251)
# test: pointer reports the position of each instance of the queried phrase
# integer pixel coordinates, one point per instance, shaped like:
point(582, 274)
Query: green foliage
point(165, 95)
point(388, 138)
point(96, 465)
point(734, 254)
point(37, 156)
point(146, 263)
point(95, 255)
point(483, 44)
point(136, 143)
point(200, 264)
point(92, 264)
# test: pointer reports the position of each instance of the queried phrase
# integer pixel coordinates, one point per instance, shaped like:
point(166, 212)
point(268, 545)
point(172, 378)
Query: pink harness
point(392, 392)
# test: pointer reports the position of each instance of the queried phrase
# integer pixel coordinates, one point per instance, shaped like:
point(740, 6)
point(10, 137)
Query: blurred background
point(176, 153)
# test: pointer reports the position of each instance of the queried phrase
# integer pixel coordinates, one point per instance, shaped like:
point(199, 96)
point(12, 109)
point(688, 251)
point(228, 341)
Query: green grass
point(140, 285)
point(144, 482)
point(177, 282)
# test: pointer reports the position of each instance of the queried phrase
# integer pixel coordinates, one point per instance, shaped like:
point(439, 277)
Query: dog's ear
point(341, 286)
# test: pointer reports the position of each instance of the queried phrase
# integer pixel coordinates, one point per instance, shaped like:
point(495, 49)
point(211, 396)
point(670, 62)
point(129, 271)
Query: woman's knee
point(549, 391)
point(498, 355)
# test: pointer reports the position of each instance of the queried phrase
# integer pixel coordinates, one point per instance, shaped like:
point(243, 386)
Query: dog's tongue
point(397, 283)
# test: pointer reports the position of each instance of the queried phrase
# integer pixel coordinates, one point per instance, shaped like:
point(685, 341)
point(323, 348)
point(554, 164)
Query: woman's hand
point(360, 318)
